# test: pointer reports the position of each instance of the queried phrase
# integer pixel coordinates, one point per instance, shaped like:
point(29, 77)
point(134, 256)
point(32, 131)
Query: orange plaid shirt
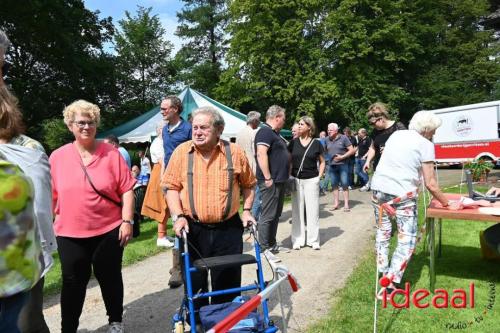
point(210, 180)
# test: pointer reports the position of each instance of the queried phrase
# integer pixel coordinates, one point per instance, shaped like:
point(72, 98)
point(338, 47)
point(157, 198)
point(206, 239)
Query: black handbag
point(136, 228)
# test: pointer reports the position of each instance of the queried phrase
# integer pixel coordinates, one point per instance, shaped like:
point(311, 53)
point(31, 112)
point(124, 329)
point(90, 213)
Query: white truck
point(468, 132)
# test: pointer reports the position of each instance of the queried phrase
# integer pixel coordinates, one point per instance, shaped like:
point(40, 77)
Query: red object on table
point(437, 211)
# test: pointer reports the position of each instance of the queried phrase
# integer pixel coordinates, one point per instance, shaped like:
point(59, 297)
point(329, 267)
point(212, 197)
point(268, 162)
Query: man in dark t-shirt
point(378, 116)
point(272, 173)
point(364, 143)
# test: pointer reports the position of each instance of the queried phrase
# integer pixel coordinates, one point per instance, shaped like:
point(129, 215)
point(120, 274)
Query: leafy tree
point(144, 61)
point(276, 58)
point(55, 133)
point(202, 24)
point(333, 58)
point(463, 63)
point(57, 57)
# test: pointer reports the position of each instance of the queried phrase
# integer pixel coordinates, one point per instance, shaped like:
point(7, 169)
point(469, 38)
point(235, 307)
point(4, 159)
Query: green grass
point(138, 249)
point(460, 265)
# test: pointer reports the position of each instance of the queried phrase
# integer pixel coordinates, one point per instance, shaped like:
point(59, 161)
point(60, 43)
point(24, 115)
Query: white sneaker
point(271, 257)
point(164, 242)
point(349, 188)
point(115, 327)
point(365, 188)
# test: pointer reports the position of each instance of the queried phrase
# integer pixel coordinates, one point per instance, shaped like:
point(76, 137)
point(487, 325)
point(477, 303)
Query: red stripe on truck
point(468, 150)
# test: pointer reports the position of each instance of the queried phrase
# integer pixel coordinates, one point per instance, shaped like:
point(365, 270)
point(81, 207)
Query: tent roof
point(143, 128)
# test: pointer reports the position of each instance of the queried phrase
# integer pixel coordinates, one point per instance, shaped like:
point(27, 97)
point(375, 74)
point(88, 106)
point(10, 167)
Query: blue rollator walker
point(212, 315)
point(187, 312)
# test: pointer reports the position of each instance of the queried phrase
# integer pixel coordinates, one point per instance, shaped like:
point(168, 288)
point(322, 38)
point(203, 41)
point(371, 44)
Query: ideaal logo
point(458, 299)
point(463, 125)
point(461, 325)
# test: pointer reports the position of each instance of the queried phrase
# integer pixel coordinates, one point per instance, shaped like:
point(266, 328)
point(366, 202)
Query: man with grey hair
point(246, 140)
point(340, 148)
point(273, 165)
point(203, 180)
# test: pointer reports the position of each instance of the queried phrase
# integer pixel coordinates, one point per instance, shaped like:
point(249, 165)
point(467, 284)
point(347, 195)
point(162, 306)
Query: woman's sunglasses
point(373, 121)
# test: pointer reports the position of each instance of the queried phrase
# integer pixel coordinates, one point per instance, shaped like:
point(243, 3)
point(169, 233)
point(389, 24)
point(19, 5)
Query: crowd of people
point(81, 201)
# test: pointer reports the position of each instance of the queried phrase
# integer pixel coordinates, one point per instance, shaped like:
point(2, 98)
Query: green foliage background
point(326, 58)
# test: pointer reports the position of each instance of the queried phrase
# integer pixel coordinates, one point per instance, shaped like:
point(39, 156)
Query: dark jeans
point(78, 257)
point(323, 184)
point(9, 311)
point(272, 207)
point(212, 241)
point(363, 176)
point(350, 170)
point(31, 318)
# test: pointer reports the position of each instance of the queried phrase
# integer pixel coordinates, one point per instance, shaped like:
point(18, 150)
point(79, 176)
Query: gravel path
point(149, 303)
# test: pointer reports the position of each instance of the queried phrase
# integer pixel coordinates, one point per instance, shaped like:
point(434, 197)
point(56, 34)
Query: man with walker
point(202, 182)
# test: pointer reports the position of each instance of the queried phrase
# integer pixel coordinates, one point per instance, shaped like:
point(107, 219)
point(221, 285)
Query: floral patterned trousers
point(406, 220)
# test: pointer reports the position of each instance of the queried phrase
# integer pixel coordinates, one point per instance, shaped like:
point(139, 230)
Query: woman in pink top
point(93, 203)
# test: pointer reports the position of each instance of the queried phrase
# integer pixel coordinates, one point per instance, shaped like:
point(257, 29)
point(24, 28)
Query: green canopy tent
point(143, 128)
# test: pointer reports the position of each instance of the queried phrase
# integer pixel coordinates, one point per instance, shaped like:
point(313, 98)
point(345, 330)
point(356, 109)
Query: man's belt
point(215, 225)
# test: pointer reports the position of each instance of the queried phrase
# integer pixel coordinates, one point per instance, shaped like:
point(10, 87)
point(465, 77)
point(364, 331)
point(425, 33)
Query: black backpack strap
point(230, 173)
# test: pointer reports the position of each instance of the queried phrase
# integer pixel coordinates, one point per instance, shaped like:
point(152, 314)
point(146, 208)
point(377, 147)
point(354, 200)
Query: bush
point(55, 133)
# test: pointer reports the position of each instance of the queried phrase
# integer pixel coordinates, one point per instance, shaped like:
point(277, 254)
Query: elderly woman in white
point(407, 158)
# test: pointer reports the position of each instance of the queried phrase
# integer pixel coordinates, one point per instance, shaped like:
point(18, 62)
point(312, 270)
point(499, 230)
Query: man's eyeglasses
point(373, 121)
point(82, 123)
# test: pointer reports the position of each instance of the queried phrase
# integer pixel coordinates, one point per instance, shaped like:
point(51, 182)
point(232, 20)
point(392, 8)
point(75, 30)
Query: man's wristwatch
point(131, 222)
point(176, 217)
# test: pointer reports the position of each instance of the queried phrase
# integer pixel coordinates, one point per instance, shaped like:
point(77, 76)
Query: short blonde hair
point(84, 108)
point(424, 121)
point(377, 110)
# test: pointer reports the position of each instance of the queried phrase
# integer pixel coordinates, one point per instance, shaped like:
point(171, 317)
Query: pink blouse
point(79, 211)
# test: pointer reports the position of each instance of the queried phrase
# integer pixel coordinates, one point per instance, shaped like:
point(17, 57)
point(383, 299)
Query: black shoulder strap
point(95, 189)
point(230, 173)
point(230, 170)
point(190, 184)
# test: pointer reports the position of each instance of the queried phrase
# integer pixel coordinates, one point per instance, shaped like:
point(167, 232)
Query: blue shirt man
point(174, 133)
point(177, 129)
point(174, 136)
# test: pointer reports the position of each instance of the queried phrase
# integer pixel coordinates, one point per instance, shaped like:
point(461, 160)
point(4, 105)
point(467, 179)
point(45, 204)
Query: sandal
point(347, 209)
point(334, 208)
